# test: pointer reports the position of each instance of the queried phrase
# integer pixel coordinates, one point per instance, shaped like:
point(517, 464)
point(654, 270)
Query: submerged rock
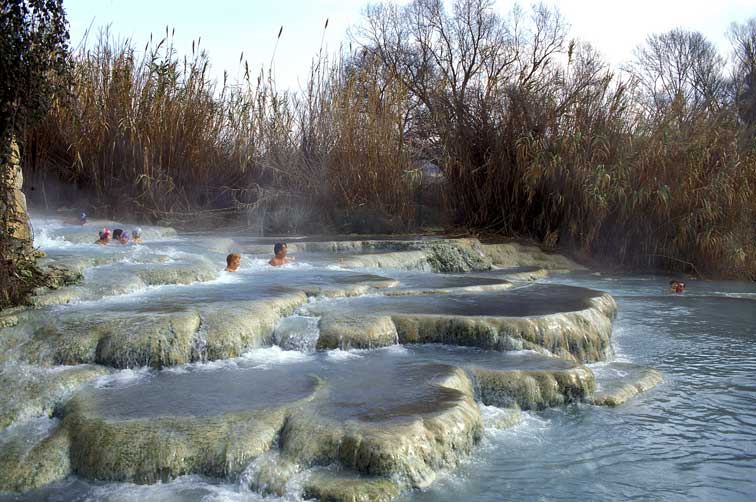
point(395, 421)
point(435, 284)
point(440, 255)
point(516, 380)
point(500, 418)
point(349, 425)
point(269, 474)
point(158, 335)
point(344, 331)
point(212, 322)
point(297, 333)
point(112, 277)
point(521, 274)
point(618, 382)
point(452, 255)
point(402, 260)
point(234, 328)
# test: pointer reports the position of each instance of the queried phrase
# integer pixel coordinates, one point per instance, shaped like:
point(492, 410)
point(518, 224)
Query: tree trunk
point(15, 232)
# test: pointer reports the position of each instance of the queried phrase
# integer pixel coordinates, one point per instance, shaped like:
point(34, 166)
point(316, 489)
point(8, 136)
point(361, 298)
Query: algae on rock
point(339, 486)
point(618, 382)
point(25, 466)
point(534, 389)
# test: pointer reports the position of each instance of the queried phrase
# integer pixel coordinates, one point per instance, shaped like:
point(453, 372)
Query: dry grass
point(567, 153)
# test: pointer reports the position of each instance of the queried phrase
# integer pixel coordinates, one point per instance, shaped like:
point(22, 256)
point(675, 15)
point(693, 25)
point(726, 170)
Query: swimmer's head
point(105, 233)
point(136, 233)
point(232, 261)
point(117, 233)
point(123, 238)
point(279, 249)
point(83, 217)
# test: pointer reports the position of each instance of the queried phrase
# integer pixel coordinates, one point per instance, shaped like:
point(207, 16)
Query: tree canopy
point(33, 58)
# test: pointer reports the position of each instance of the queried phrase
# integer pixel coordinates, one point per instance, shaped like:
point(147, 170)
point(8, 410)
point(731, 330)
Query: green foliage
point(33, 61)
point(33, 57)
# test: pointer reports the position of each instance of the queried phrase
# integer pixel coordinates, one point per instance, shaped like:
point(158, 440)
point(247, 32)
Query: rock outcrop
point(617, 382)
point(15, 218)
point(572, 323)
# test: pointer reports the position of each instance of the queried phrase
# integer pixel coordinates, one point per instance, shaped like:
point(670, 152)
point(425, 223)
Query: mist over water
point(691, 438)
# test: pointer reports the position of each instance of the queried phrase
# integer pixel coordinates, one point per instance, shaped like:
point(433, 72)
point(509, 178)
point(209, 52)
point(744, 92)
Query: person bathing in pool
point(232, 262)
point(123, 238)
point(82, 220)
point(677, 286)
point(104, 237)
point(279, 251)
point(136, 236)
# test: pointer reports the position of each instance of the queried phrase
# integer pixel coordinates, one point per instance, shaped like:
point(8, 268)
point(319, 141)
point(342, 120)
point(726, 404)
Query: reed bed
point(535, 137)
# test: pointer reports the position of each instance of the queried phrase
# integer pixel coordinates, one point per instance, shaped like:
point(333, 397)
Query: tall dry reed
point(536, 136)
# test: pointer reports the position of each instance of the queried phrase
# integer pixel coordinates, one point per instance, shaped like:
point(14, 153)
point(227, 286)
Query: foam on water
point(44, 241)
point(124, 378)
point(262, 358)
point(194, 488)
point(272, 356)
point(29, 431)
point(344, 355)
point(297, 332)
point(257, 476)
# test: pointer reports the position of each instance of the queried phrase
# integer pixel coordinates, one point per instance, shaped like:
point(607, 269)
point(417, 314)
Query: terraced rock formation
point(449, 355)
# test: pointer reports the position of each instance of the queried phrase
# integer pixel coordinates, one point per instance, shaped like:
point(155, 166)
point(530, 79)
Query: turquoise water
point(691, 438)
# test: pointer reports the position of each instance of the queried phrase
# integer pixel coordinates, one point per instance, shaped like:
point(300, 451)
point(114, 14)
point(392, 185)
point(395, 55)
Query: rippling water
point(693, 437)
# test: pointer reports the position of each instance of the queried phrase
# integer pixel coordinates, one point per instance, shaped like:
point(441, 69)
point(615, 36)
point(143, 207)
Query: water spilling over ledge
point(160, 365)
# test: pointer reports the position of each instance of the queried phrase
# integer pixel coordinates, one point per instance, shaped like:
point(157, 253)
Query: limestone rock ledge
point(617, 382)
point(28, 462)
point(30, 391)
point(582, 332)
point(328, 486)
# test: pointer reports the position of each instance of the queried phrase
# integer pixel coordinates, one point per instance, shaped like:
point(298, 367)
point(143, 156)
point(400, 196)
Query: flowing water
point(691, 438)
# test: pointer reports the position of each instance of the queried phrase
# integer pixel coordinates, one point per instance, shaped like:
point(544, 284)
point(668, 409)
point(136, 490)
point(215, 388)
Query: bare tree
point(680, 65)
point(743, 39)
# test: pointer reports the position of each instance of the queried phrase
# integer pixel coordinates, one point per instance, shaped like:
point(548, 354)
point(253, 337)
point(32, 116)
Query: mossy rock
point(400, 260)
point(236, 327)
point(581, 333)
point(356, 332)
point(138, 336)
point(327, 486)
point(618, 382)
point(534, 389)
point(408, 442)
point(154, 446)
point(24, 466)
point(514, 254)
